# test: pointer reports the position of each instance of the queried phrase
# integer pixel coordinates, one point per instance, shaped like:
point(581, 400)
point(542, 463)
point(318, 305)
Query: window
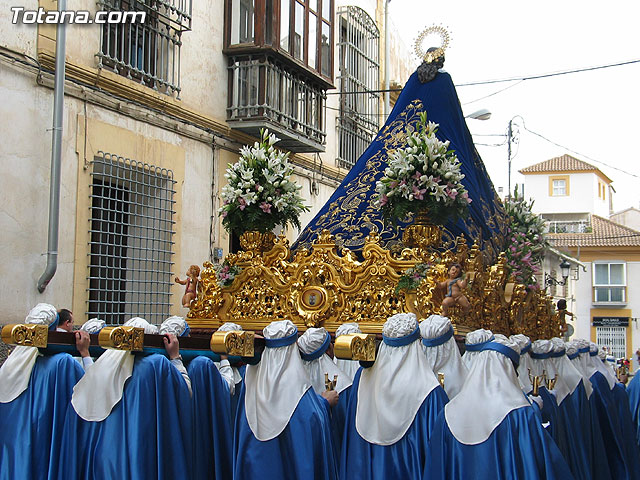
point(280, 72)
point(147, 52)
point(609, 282)
point(242, 21)
point(559, 188)
point(614, 338)
point(359, 80)
point(132, 227)
point(299, 29)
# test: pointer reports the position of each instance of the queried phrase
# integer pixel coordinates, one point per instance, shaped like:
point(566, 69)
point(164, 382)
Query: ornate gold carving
point(327, 286)
point(330, 385)
point(122, 338)
point(257, 242)
point(238, 343)
point(356, 346)
point(25, 334)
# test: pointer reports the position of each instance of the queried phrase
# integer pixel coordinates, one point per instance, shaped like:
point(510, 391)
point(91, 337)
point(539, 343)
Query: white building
point(153, 113)
point(575, 197)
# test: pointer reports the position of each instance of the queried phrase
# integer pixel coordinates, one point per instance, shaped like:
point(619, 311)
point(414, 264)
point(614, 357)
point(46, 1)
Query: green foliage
point(526, 240)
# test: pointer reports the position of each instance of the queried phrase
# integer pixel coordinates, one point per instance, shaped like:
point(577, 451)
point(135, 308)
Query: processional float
point(346, 265)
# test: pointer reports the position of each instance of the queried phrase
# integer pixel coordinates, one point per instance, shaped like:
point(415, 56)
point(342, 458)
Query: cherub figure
point(191, 283)
point(453, 287)
point(561, 313)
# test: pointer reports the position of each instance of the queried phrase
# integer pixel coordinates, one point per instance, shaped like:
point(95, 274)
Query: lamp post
point(512, 137)
point(564, 268)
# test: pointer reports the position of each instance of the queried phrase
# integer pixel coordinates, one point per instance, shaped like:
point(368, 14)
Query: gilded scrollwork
point(25, 334)
point(327, 285)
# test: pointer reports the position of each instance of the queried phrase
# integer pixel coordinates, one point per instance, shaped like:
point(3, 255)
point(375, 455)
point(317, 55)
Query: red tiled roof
point(563, 163)
point(605, 233)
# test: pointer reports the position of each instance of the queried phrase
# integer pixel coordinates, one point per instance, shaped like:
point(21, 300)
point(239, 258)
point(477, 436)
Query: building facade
point(574, 197)
point(153, 113)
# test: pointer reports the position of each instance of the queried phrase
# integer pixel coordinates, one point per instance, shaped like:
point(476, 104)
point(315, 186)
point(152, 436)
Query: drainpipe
point(386, 60)
point(56, 154)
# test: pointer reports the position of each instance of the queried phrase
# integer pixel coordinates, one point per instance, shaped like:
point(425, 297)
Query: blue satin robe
point(633, 391)
point(212, 451)
point(405, 459)
point(579, 436)
point(148, 434)
point(338, 419)
point(31, 425)
point(304, 449)
point(615, 424)
point(518, 449)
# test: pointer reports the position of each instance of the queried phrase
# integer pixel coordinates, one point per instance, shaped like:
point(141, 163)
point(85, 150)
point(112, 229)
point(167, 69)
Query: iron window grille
point(147, 52)
point(359, 79)
point(131, 240)
point(614, 338)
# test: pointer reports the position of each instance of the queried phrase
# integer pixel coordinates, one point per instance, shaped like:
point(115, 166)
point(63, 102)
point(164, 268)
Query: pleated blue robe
point(212, 451)
point(633, 391)
point(338, 420)
point(304, 449)
point(615, 425)
point(31, 426)
point(518, 449)
point(579, 436)
point(405, 459)
point(147, 435)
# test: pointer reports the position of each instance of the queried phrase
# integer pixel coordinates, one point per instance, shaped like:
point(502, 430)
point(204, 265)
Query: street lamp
point(564, 268)
point(482, 114)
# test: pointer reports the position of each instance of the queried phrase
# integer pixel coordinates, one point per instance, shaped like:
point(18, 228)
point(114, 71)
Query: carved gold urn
point(257, 242)
point(422, 234)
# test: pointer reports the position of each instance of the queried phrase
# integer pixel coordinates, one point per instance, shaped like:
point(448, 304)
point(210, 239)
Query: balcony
point(266, 94)
point(569, 226)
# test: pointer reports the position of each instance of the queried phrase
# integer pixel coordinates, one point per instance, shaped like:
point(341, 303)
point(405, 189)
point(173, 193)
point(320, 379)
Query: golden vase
point(422, 233)
point(257, 242)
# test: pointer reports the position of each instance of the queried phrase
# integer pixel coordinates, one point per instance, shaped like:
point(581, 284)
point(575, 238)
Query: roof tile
point(605, 233)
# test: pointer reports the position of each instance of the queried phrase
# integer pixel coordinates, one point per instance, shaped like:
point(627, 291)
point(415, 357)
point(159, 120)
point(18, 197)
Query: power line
point(502, 80)
point(551, 74)
point(577, 153)
point(494, 93)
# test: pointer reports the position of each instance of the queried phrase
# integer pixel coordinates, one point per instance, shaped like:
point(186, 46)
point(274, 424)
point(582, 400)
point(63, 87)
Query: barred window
point(148, 52)
point(131, 240)
point(359, 79)
point(614, 338)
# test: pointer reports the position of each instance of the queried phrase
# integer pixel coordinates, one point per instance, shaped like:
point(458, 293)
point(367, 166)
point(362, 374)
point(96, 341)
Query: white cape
point(102, 385)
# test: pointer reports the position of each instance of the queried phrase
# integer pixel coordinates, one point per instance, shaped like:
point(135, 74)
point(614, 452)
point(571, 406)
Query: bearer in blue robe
point(489, 430)
point(34, 393)
point(392, 408)
point(541, 366)
point(315, 349)
point(130, 417)
point(282, 426)
point(350, 367)
point(442, 353)
point(232, 374)
point(473, 343)
point(613, 413)
point(633, 390)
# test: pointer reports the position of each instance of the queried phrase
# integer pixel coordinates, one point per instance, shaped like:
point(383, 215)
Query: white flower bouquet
point(425, 175)
point(260, 194)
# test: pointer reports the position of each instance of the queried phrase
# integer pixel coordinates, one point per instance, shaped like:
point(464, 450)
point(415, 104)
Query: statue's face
point(454, 271)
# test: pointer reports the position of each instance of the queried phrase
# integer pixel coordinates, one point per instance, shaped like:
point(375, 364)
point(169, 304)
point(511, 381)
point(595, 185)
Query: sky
point(593, 116)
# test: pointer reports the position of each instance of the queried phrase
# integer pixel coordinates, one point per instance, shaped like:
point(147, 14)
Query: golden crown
point(439, 51)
